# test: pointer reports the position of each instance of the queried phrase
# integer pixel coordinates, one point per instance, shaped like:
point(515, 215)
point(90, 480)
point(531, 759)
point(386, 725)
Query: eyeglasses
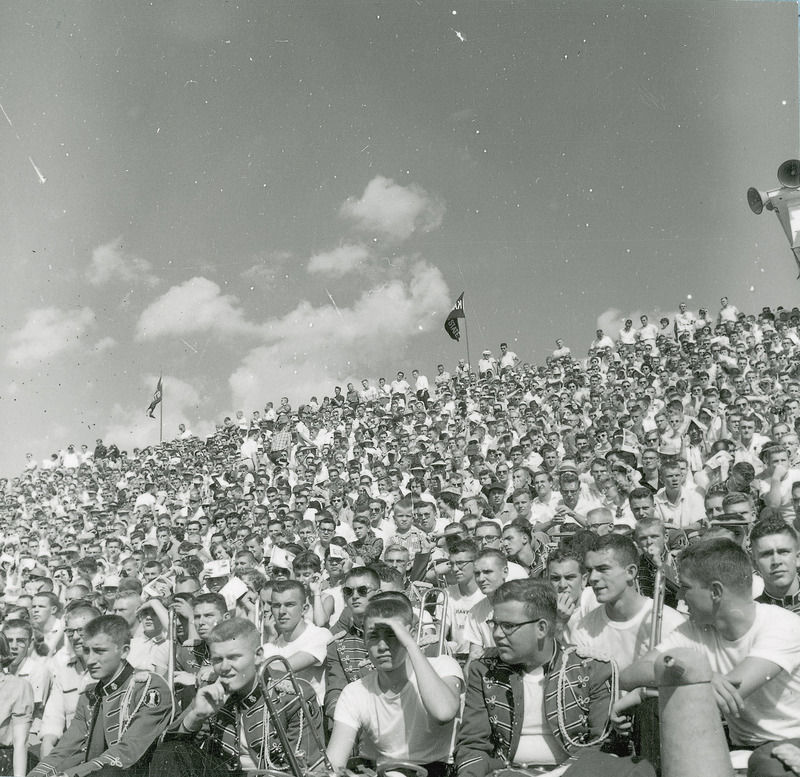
point(462, 564)
point(72, 632)
point(509, 627)
point(321, 530)
point(361, 590)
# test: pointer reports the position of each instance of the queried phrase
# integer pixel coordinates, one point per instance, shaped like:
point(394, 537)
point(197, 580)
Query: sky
point(260, 199)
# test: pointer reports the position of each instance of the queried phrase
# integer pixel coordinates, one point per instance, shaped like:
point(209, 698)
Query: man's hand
point(204, 675)
point(398, 629)
point(317, 585)
point(728, 699)
point(209, 699)
point(779, 473)
point(183, 608)
point(184, 679)
point(565, 607)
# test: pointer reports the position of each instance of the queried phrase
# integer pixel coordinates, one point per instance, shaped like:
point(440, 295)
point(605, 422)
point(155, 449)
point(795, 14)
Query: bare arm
point(20, 744)
point(441, 697)
point(342, 742)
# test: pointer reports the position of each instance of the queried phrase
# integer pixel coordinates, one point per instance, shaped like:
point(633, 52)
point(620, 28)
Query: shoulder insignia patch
point(597, 655)
point(152, 698)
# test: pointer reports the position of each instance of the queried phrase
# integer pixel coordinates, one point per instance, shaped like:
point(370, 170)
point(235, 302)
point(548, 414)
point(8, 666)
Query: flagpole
point(466, 338)
point(161, 414)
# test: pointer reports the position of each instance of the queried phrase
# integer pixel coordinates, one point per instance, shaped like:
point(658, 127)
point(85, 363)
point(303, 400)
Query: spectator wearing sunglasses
point(347, 658)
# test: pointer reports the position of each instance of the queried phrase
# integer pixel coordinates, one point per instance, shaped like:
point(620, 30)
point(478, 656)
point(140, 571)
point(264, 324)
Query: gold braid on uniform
point(265, 757)
point(125, 716)
point(561, 694)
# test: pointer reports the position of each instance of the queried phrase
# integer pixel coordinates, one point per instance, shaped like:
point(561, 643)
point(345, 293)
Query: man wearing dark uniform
point(227, 730)
point(119, 718)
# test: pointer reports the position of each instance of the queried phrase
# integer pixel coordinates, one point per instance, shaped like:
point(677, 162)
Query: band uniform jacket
point(220, 735)
point(493, 710)
point(115, 724)
point(347, 661)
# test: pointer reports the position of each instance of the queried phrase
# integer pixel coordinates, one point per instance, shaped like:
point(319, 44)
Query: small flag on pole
point(451, 323)
point(156, 399)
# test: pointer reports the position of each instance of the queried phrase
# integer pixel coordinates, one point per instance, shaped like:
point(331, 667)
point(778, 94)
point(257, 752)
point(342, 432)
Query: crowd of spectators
point(551, 491)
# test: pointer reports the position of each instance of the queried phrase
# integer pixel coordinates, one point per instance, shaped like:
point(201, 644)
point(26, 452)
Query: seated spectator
point(16, 715)
point(119, 719)
point(753, 649)
point(420, 730)
point(519, 681)
point(232, 712)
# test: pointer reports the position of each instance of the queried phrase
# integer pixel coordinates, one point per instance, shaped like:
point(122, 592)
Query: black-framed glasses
point(361, 590)
point(508, 627)
point(462, 564)
point(323, 530)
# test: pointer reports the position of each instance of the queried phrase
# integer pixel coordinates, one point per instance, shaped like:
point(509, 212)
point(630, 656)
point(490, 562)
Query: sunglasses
point(361, 590)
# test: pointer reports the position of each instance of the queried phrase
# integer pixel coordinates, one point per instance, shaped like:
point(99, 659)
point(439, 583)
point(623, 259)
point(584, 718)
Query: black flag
point(451, 323)
point(156, 399)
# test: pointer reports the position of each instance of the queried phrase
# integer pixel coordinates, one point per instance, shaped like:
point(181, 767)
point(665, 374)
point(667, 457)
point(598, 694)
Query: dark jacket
point(493, 711)
point(115, 724)
point(219, 737)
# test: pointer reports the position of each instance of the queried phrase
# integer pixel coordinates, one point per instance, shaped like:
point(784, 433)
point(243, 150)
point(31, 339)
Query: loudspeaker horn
point(758, 200)
point(789, 174)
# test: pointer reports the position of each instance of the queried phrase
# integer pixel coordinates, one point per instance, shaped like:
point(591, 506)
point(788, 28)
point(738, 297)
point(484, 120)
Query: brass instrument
point(172, 640)
point(659, 588)
point(257, 616)
point(268, 686)
point(434, 598)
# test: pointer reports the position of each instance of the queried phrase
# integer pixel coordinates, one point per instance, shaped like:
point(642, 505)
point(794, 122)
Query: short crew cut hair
point(538, 597)
point(769, 527)
point(283, 586)
point(390, 604)
point(215, 600)
point(623, 548)
point(371, 574)
point(720, 560)
point(234, 628)
point(115, 626)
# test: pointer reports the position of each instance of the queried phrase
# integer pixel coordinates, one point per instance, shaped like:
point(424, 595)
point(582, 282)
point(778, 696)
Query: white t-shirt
point(458, 608)
point(773, 711)
point(314, 640)
point(537, 745)
point(396, 727)
point(476, 631)
point(624, 641)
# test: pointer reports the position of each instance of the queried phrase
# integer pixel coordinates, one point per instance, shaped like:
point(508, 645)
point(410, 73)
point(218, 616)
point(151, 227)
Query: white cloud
point(267, 269)
point(110, 261)
point(393, 210)
point(48, 332)
point(130, 428)
point(104, 344)
point(339, 261)
point(611, 321)
point(311, 349)
point(197, 305)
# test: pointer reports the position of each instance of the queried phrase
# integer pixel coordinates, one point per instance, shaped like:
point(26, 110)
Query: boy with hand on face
point(229, 715)
point(406, 709)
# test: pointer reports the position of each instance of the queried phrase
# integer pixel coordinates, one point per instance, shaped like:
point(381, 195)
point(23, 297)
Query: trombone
point(276, 708)
point(659, 588)
point(434, 598)
point(172, 638)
